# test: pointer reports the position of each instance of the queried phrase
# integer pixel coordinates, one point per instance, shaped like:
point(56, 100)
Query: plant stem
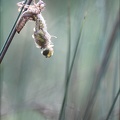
point(102, 69)
point(110, 111)
point(11, 35)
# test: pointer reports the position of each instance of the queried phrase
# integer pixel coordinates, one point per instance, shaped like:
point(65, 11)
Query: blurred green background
point(33, 87)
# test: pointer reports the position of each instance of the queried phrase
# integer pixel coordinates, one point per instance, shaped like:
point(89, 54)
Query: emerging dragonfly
point(41, 36)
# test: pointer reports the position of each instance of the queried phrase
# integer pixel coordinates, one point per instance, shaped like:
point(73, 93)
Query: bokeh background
point(73, 84)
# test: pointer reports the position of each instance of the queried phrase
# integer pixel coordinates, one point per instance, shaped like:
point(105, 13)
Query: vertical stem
point(102, 69)
point(69, 70)
point(62, 112)
point(1, 85)
point(110, 111)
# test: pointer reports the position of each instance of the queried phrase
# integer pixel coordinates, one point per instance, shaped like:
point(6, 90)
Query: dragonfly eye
point(47, 53)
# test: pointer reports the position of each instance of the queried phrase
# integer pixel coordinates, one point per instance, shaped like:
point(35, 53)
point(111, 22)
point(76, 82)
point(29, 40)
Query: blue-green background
point(32, 86)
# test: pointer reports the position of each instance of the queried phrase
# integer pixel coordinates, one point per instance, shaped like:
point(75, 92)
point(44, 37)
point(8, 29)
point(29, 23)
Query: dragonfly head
point(48, 52)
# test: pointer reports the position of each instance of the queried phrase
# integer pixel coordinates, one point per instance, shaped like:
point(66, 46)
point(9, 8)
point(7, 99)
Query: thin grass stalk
point(1, 80)
point(11, 34)
point(1, 86)
point(116, 71)
point(119, 68)
point(102, 69)
point(62, 112)
point(113, 104)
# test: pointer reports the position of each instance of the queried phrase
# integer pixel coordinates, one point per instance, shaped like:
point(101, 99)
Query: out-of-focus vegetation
point(33, 87)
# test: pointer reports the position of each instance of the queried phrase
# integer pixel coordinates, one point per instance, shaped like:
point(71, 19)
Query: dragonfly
point(41, 36)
